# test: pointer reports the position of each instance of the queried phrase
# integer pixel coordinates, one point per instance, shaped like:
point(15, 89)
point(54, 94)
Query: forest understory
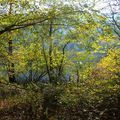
point(59, 59)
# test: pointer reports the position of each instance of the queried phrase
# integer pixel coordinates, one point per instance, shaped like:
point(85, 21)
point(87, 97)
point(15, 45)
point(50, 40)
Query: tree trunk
point(78, 77)
point(50, 52)
point(11, 71)
point(30, 71)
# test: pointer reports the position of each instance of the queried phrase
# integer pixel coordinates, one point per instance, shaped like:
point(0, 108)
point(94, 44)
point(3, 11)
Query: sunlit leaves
point(109, 66)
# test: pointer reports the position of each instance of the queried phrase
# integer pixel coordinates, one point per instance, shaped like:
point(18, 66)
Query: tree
point(108, 70)
point(114, 14)
point(42, 37)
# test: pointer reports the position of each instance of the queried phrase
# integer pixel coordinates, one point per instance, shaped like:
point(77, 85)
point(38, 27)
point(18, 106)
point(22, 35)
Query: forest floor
point(19, 103)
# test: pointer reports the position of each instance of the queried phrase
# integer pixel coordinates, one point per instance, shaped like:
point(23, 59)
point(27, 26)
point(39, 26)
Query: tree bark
point(11, 71)
point(50, 52)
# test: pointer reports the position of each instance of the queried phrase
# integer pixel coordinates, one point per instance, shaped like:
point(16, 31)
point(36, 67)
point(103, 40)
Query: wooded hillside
point(59, 60)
